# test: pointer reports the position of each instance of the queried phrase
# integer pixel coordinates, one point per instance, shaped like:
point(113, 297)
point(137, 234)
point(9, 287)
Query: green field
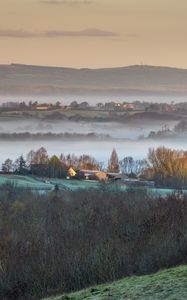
point(45, 184)
point(168, 284)
point(25, 182)
point(88, 114)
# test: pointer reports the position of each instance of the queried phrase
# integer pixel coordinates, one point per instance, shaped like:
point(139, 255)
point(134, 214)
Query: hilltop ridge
point(138, 80)
point(101, 68)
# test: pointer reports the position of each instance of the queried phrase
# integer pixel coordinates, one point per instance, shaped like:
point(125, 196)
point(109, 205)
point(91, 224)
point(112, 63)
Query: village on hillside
point(112, 106)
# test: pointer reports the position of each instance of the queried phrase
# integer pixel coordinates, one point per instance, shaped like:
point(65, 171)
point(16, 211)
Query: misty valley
point(18, 136)
point(93, 150)
point(93, 184)
point(91, 191)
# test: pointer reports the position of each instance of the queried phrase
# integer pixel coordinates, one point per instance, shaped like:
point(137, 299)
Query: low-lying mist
point(125, 138)
point(116, 130)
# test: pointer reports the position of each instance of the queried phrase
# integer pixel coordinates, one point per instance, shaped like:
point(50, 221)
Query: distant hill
point(168, 284)
point(133, 80)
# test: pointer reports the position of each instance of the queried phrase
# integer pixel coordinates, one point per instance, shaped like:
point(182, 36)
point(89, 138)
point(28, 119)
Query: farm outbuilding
point(71, 172)
point(92, 175)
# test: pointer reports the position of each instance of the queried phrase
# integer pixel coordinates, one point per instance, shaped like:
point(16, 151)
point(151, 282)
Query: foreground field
point(169, 284)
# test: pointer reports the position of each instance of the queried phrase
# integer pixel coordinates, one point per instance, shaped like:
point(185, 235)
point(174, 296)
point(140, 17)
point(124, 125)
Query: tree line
point(167, 167)
point(52, 136)
point(41, 164)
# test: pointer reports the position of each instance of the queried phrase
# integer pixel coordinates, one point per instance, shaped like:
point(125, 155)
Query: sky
point(93, 33)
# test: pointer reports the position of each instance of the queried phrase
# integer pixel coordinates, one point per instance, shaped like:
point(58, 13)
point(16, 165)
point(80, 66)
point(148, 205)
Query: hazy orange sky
point(93, 33)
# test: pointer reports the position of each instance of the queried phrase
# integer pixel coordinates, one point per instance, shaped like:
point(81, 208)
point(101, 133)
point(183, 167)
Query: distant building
point(71, 172)
point(128, 106)
point(99, 175)
point(92, 175)
point(42, 107)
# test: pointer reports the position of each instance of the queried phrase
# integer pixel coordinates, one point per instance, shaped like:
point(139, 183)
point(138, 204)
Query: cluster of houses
point(111, 106)
point(101, 176)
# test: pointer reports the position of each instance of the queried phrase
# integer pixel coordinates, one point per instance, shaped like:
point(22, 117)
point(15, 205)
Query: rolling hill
point(169, 284)
point(135, 80)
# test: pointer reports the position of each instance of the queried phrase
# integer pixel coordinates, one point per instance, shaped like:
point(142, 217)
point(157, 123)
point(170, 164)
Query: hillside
point(132, 80)
point(168, 284)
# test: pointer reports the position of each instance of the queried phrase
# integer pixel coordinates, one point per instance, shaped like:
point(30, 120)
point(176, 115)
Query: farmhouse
point(42, 107)
point(118, 178)
point(92, 175)
point(128, 106)
point(71, 172)
point(99, 175)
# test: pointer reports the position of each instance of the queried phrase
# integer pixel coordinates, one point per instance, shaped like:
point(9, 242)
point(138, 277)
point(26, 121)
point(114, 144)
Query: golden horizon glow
point(93, 33)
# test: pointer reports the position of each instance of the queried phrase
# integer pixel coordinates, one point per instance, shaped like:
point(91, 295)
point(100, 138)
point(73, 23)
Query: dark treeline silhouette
point(66, 241)
point(52, 136)
point(179, 131)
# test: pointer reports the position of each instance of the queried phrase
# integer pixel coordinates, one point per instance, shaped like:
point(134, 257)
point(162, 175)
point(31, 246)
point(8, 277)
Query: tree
point(88, 162)
point(58, 104)
point(100, 105)
point(133, 167)
point(181, 127)
point(7, 166)
point(41, 156)
point(39, 162)
point(22, 105)
point(84, 105)
point(74, 104)
point(126, 165)
point(168, 167)
point(30, 157)
point(55, 167)
point(20, 166)
point(113, 164)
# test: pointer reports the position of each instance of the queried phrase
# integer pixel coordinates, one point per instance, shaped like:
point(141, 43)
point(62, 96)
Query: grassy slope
point(36, 183)
point(25, 182)
point(169, 284)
